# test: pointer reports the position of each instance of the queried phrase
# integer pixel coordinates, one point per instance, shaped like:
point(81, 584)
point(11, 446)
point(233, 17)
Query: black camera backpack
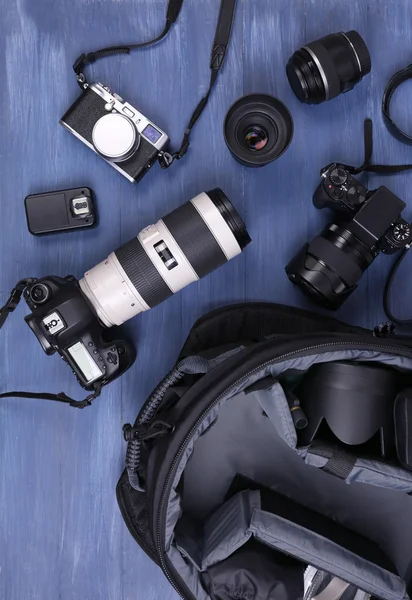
point(218, 492)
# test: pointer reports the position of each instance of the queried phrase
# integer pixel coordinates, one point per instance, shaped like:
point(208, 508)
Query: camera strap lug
point(165, 159)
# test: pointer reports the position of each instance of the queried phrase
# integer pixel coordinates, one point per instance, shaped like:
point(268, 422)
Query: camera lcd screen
point(84, 362)
point(152, 134)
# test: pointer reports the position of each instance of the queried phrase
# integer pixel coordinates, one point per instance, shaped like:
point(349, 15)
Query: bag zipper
point(204, 415)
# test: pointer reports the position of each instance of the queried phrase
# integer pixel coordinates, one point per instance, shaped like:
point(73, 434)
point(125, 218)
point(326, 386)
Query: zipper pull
point(384, 330)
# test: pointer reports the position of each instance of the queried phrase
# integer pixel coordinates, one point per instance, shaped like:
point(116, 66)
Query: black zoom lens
point(328, 67)
point(330, 266)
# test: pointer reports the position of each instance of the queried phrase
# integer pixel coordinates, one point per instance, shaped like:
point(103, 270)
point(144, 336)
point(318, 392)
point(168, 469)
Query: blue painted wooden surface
point(61, 534)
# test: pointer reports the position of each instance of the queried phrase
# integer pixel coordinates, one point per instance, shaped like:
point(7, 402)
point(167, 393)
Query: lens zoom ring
point(195, 239)
point(345, 265)
point(142, 273)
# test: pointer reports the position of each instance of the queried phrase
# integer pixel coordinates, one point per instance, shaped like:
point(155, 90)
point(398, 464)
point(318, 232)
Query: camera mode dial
point(338, 176)
point(402, 232)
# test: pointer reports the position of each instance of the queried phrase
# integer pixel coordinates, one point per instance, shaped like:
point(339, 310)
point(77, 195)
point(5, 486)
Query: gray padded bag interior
point(253, 434)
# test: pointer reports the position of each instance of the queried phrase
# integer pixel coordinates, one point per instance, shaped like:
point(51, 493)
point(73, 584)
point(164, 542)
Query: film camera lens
point(184, 246)
point(328, 67)
point(39, 293)
point(258, 129)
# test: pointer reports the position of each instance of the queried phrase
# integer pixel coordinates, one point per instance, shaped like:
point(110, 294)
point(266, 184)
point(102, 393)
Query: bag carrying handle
point(220, 44)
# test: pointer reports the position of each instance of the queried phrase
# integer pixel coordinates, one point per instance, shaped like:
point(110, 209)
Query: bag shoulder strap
point(220, 44)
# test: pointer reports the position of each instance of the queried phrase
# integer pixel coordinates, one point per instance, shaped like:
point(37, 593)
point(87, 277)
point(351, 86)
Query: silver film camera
point(115, 130)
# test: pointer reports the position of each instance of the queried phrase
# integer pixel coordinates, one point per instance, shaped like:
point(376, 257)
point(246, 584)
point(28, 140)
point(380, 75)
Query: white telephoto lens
point(184, 246)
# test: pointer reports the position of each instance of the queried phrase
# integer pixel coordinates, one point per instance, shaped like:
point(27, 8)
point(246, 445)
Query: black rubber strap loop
point(367, 167)
point(397, 79)
point(388, 289)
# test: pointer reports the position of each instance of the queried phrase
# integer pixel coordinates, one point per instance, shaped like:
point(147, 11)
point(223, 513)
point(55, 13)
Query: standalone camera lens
point(258, 129)
point(328, 67)
point(184, 246)
point(330, 266)
point(39, 293)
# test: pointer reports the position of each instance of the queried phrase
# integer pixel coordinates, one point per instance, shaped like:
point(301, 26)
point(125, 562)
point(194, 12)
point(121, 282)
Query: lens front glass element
point(256, 138)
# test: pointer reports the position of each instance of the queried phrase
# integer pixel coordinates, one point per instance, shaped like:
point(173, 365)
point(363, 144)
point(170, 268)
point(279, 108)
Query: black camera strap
point(388, 289)
point(5, 311)
point(383, 170)
point(173, 10)
point(395, 81)
point(220, 44)
point(367, 167)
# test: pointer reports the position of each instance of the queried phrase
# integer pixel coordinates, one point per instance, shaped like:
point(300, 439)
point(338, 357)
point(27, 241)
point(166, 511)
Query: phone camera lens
point(40, 293)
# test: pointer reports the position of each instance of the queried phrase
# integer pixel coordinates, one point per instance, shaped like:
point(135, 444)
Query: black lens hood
point(267, 112)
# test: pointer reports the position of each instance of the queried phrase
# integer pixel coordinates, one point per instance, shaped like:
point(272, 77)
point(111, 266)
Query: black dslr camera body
point(115, 130)
point(63, 321)
point(368, 222)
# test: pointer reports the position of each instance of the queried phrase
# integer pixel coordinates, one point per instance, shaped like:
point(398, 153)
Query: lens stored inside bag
point(328, 67)
point(355, 400)
point(258, 129)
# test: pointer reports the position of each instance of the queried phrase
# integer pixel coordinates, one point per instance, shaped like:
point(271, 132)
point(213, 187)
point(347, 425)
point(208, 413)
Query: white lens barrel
point(187, 244)
point(111, 292)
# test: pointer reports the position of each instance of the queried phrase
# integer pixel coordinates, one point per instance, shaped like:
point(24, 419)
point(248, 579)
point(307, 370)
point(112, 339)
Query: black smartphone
point(63, 210)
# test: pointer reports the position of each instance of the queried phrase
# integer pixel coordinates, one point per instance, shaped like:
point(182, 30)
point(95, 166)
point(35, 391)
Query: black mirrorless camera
point(64, 321)
point(368, 222)
point(115, 130)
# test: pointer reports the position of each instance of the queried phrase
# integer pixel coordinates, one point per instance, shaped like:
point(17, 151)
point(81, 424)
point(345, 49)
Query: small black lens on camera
point(258, 129)
point(328, 67)
point(329, 268)
point(39, 293)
